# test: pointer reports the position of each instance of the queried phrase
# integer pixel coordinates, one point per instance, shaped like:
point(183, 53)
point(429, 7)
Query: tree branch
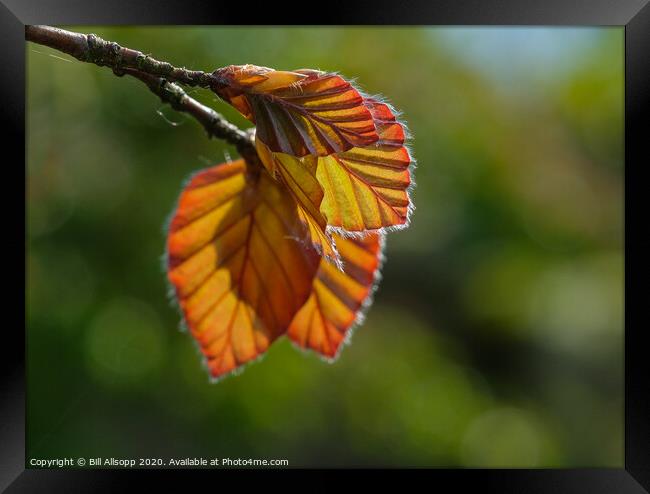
point(213, 122)
point(158, 76)
point(93, 49)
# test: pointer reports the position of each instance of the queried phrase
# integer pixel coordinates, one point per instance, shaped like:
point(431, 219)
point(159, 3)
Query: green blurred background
point(496, 335)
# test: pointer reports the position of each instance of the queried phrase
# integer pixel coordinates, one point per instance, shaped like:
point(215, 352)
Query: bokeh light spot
point(125, 343)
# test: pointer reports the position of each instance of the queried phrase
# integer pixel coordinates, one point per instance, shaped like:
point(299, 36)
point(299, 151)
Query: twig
point(93, 49)
point(213, 122)
point(158, 76)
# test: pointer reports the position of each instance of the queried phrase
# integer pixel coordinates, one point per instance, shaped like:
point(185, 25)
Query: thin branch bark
point(213, 122)
point(158, 76)
point(93, 49)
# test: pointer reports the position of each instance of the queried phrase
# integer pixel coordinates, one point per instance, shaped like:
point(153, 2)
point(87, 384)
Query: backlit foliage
point(289, 243)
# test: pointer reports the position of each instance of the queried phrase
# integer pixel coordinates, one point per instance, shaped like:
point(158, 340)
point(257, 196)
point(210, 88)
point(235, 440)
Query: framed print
point(374, 239)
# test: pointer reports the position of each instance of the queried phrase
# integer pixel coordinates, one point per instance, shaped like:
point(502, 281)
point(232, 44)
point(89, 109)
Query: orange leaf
point(338, 297)
point(237, 262)
point(298, 113)
point(367, 188)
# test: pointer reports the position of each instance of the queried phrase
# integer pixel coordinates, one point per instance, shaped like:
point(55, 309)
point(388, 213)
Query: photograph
point(324, 246)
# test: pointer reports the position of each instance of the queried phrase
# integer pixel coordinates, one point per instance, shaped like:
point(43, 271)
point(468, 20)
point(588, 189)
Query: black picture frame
point(634, 15)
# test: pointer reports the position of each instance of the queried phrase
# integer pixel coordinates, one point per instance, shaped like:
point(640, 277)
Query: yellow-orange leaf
point(362, 189)
point(300, 112)
point(367, 188)
point(338, 297)
point(237, 262)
